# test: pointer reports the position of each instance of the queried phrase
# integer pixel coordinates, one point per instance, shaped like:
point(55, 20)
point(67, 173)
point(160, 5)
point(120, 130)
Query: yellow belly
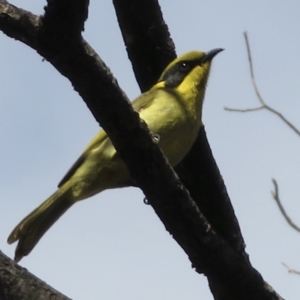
point(176, 126)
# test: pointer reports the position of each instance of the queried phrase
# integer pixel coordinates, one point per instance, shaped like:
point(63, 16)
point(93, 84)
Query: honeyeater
point(172, 109)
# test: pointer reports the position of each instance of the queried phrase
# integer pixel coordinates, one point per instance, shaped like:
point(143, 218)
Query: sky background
point(113, 246)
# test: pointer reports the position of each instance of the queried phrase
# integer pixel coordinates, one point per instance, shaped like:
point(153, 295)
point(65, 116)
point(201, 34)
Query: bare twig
point(293, 271)
point(260, 98)
point(244, 110)
point(276, 197)
point(257, 92)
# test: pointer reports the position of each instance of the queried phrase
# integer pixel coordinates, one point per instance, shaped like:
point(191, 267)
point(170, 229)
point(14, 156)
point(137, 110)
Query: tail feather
point(29, 231)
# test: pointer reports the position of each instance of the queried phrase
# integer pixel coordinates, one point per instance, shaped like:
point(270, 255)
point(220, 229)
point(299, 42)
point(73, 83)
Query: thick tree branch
point(16, 283)
point(65, 19)
point(146, 37)
point(198, 171)
point(19, 24)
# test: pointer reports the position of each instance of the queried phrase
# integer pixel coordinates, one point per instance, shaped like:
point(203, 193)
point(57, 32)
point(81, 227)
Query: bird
point(172, 109)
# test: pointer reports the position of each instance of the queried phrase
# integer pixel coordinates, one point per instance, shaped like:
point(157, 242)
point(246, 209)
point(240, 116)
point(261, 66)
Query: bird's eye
point(184, 66)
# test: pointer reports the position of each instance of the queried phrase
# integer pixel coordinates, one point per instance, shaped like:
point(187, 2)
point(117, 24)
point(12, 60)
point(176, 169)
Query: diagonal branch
point(146, 37)
point(16, 283)
point(276, 197)
point(145, 34)
point(290, 270)
point(261, 100)
point(19, 24)
point(66, 16)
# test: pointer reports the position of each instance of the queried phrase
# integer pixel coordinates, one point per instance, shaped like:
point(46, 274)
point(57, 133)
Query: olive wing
point(138, 104)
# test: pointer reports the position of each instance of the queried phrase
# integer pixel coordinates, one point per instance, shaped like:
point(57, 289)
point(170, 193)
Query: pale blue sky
point(113, 246)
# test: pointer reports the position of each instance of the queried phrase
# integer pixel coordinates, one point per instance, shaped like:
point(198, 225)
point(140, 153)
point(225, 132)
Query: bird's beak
point(210, 55)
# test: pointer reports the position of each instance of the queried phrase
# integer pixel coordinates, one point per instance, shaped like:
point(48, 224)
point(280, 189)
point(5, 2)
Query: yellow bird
point(172, 109)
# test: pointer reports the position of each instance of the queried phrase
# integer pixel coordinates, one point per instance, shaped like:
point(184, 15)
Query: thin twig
point(244, 110)
point(260, 98)
point(293, 271)
point(257, 92)
point(286, 121)
point(276, 197)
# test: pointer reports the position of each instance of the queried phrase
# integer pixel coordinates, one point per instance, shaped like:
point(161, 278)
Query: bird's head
point(190, 70)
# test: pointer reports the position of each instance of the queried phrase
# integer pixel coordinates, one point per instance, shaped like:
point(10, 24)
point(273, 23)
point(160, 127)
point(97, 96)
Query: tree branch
point(146, 37)
point(19, 24)
point(292, 271)
point(66, 16)
point(276, 197)
point(198, 171)
point(258, 94)
point(16, 283)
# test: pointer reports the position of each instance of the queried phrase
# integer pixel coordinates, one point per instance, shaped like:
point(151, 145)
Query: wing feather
point(138, 104)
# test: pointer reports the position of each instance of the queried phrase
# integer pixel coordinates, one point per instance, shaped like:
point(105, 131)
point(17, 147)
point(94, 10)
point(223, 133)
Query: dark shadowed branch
point(146, 37)
point(148, 41)
point(16, 283)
